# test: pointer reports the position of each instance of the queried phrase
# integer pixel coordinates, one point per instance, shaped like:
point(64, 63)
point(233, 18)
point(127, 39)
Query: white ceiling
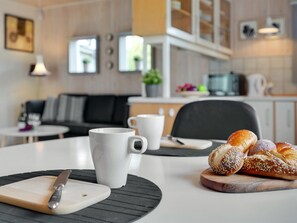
point(49, 3)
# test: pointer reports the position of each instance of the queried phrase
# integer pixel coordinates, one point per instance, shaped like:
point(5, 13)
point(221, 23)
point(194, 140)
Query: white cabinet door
point(264, 111)
point(285, 122)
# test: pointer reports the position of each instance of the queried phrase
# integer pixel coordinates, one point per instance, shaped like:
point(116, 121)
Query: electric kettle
point(256, 85)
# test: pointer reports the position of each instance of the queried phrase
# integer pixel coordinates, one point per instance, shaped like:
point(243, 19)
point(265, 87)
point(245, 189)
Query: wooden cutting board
point(198, 144)
point(34, 194)
point(239, 183)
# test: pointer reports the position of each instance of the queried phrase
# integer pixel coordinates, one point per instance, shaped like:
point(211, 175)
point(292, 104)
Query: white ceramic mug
point(111, 150)
point(149, 126)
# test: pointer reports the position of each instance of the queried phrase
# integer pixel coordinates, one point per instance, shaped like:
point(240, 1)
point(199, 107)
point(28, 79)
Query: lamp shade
point(269, 28)
point(40, 69)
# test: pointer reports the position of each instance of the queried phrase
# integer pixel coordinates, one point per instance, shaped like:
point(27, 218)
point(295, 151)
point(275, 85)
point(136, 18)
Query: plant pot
point(138, 65)
point(86, 67)
point(152, 90)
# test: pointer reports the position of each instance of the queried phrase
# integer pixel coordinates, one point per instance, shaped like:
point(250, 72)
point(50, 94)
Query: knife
point(60, 182)
point(175, 140)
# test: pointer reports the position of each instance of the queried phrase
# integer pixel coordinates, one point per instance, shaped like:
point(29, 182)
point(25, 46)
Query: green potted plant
point(152, 79)
point(137, 61)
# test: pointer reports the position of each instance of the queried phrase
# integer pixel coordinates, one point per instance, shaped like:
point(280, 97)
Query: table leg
point(30, 139)
point(61, 136)
point(3, 141)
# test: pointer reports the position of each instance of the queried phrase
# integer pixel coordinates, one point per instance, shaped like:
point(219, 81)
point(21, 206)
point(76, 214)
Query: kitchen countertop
point(184, 199)
point(181, 100)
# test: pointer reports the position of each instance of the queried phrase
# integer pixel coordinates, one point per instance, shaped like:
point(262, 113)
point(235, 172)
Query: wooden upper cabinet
point(206, 17)
point(225, 14)
point(149, 17)
point(161, 17)
point(182, 16)
point(202, 22)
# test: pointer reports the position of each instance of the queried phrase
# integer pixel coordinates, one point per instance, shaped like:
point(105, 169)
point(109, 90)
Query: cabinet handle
point(171, 112)
point(161, 111)
point(289, 118)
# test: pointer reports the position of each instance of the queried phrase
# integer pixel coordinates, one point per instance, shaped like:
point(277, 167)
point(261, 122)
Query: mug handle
point(130, 123)
point(143, 143)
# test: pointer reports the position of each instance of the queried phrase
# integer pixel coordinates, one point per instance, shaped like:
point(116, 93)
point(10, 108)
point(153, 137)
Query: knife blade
point(60, 182)
point(175, 140)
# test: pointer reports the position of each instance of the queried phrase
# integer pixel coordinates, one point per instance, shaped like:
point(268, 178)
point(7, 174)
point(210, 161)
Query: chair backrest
point(214, 119)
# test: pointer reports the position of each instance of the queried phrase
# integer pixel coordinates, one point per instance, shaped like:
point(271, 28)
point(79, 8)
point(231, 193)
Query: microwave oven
point(231, 84)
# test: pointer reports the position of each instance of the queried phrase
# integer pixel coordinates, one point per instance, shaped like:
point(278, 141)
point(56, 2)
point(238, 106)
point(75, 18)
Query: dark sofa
point(99, 111)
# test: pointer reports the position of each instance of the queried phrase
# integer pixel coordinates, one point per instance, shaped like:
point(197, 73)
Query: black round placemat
point(127, 204)
point(183, 152)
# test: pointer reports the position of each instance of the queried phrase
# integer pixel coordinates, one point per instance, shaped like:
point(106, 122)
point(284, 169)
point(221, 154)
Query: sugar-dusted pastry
point(262, 145)
point(226, 159)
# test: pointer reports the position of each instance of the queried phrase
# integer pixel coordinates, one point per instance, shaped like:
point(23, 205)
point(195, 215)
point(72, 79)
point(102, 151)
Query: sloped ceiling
point(49, 3)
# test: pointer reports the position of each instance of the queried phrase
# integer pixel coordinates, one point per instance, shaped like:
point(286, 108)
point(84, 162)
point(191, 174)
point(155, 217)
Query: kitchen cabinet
point(214, 22)
point(201, 26)
point(206, 20)
point(265, 114)
point(224, 28)
point(202, 22)
point(285, 122)
point(277, 119)
point(168, 110)
point(158, 17)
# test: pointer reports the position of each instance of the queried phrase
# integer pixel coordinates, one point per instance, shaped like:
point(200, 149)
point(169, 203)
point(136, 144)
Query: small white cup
point(111, 150)
point(149, 126)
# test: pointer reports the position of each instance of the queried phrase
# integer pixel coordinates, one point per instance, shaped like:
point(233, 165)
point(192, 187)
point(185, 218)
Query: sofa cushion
point(99, 108)
point(71, 108)
point(77, 105)
point(35, 106)
point(63, 108)
point(50, 109)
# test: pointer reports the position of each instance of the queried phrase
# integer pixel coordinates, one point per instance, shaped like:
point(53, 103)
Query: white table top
point(184, 198)
point(42, 130)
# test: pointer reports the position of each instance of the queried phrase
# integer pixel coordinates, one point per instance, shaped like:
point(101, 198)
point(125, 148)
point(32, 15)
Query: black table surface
point(183, 152)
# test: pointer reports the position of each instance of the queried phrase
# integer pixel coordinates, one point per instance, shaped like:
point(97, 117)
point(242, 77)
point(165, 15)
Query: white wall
point(15, 84)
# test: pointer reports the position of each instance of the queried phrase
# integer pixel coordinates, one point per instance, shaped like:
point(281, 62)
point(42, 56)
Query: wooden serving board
point(198, 144)
point(239, 183)
point(34, 194)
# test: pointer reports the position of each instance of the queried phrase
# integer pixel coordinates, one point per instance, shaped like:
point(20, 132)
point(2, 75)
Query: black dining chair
point(214, 119)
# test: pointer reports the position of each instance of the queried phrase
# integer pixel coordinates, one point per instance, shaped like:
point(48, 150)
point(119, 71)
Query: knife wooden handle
point(54, 200)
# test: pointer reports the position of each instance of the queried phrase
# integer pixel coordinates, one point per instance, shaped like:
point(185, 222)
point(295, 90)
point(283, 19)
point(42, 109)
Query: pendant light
point(40, 69)
point(269, 28)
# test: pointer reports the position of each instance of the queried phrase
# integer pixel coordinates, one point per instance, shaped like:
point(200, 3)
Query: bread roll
point(261, 145)
point(244, 139)
point(267, 163)
point(288, 152)
point(226, 159)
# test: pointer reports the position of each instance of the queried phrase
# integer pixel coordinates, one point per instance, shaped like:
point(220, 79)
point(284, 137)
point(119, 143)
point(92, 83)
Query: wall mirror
point(83, 55)
point(130, 53)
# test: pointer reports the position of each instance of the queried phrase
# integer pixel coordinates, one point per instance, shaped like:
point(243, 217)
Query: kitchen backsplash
point(277, 69)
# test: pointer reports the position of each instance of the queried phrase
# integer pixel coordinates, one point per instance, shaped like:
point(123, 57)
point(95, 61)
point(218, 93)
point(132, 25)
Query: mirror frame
point(97, 54)
point(153, 54)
